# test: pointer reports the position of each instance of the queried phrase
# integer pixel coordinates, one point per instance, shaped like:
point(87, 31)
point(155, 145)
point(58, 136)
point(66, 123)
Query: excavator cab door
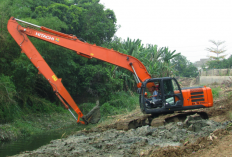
point(145, 98)
point(169, 95)
point(172, 95)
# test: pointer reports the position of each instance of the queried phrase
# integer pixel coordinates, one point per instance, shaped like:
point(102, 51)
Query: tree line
point(23, 90)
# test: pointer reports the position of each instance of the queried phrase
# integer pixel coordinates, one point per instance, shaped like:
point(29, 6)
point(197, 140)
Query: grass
point(120, 102)
point(215, 92)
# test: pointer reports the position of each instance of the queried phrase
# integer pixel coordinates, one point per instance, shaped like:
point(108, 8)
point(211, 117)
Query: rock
point(156, 123)
point(192, 118)
point(169, 135)
point(174, 138)
point(180, 124)
point(191, 128)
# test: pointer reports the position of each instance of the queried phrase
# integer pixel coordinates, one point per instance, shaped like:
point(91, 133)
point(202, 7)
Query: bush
point(35, 104)
point(8, 106)
point(120, 102)
point(9, 102)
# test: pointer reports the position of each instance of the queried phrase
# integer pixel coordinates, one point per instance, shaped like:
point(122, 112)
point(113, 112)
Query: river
point(35, 141)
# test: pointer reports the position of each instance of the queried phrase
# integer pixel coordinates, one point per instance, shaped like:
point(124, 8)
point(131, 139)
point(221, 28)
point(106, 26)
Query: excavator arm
point(20, 35)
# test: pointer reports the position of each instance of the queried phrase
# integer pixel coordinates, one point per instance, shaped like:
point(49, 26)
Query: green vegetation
point(230, 116)
point(36, 123)
point(120, 102)
point(8, 103)
point(220, 64)
point(33, 124)
point(24, 92)
point(182, 67)
point(218, 61)
point(215, 92)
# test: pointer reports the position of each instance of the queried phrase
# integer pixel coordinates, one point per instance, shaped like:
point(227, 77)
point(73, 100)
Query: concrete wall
point(206, 80)
point(216, 72)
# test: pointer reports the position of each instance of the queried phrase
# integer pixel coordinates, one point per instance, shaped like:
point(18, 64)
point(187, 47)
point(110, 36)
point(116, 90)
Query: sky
point(182, 25)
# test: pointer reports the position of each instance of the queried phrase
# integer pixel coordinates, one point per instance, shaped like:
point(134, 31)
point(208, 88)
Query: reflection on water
point(15, 147)
point(34, 142)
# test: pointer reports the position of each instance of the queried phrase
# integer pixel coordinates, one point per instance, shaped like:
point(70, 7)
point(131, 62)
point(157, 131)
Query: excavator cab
point(168, 99)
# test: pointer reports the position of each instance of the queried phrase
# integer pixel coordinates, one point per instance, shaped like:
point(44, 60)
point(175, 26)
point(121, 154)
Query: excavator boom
point(81, 48)
point(20, 35)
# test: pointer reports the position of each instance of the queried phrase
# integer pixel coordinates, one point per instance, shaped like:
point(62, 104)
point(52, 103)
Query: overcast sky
point(182, 25)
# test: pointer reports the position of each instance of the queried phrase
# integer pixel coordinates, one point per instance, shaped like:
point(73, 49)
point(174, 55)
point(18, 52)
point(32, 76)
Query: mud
point(178, 134)
point(198, 148)
point(134, 142)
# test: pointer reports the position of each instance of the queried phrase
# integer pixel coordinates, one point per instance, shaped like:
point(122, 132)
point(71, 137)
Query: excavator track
point(147, 119)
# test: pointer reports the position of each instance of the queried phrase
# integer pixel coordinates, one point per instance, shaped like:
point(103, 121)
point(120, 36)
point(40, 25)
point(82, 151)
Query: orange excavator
point(170, 98)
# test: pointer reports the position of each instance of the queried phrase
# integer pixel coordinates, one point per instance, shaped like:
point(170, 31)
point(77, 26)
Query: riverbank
point(34, 124)
point(102, 138)
point(183, 138)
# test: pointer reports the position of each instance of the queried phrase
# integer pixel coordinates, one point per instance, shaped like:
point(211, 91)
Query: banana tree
point(152, 59)
point(167, 56)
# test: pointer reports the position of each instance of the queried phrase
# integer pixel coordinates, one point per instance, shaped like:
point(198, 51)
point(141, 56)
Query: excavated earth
point(192, 133)
point(134, 142)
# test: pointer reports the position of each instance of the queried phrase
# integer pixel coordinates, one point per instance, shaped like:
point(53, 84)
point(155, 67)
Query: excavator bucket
point(94, 115)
